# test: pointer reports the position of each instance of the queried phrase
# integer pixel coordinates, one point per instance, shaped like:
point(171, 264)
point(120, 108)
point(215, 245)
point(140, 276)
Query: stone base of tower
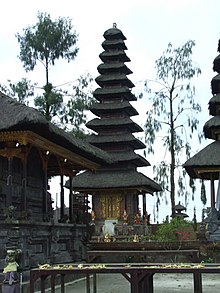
point(110, 227)
point(125, 250)
point(116, 228)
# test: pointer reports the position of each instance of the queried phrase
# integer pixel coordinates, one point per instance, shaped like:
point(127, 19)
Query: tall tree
point(173, 118)
point(45, 43)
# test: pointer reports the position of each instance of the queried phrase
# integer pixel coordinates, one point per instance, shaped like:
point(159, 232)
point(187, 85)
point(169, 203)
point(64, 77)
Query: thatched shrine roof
point(100, 108)
point(114, 127)
point(15, 116)
point(114, 33)
point(132, 157)
point(104, 93)
point(103, 123)
point(114, 179)
point(115, 55)
point(113, 67)
point(114, 44)
point(117, 139)
point(114, 79)
point(211, 127)
point(206, 163)
point(214, 105)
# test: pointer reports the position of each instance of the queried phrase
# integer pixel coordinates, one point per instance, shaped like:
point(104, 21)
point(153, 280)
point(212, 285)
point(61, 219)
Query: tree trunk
point(172, 154)
point(47, 93)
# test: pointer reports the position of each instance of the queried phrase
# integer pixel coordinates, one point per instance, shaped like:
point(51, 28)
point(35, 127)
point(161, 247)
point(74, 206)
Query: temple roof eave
point(18, 117)
point(205, 163)
point(114, 92)
point(25, 138)
point(215, 84)
point(113, 67)
point(96, 124)
point(110, 79)
point(214, 105)
point(114, 180)
point(212, 128)
point(114, 34)
point(117, 55)
point(99, 108)
point(138, 160)
point(116, 139)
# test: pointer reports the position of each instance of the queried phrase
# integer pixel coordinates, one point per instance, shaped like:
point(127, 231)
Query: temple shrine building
point(115, 188)
point(32, 150)
point(205, 164)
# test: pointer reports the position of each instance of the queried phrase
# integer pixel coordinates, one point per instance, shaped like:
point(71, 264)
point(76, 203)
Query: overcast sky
point(148, 25)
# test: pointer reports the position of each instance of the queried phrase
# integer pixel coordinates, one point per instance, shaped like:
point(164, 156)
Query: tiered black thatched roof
point(114, 127)
point(207, 159)
point(111, 179)
point(206, 163)
point(99, 109)
point(105, 123)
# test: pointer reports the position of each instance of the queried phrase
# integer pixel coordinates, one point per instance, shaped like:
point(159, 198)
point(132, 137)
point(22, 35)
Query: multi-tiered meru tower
point(206, 163)
point(115, 188)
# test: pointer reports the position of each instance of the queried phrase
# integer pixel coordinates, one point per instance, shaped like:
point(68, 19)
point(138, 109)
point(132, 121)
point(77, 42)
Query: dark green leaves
point(47, 41)
point(22, 90)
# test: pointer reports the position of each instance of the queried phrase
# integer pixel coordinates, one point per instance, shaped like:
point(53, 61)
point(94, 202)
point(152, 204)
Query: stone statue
point(125, 218)
point(11, 280)
point(93, 218)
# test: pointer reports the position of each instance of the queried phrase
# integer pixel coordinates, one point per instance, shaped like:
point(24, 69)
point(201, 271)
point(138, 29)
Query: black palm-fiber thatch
point(138, 160)
point(114, 179)
point(207, 158)
point(15, 116)
point(96, 123)
point(105, 93)
point(114, 127)
point(125, 106)
point(116, 139)
point(211, 127)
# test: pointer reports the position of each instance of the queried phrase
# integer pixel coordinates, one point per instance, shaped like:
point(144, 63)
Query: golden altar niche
point(111, 206)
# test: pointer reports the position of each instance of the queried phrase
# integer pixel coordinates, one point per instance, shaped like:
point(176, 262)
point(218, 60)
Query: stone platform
point(148, 251)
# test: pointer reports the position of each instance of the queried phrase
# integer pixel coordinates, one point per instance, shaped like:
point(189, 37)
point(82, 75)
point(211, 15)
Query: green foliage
point(22, 90)
point(47, 41)
point(207, 260)
point(170, 231)
point(78, 102)
point(54, 100)
point(173, 118)
point(67, 109)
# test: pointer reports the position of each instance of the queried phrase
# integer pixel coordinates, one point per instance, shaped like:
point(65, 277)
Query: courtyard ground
point(163, 283)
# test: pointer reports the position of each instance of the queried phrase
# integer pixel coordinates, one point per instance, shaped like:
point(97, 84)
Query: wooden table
point(140, 276)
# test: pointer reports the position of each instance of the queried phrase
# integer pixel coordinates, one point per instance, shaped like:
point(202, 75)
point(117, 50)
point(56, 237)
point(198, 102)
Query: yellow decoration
point(11, 267)
point(107, 238)
point(136, 238)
